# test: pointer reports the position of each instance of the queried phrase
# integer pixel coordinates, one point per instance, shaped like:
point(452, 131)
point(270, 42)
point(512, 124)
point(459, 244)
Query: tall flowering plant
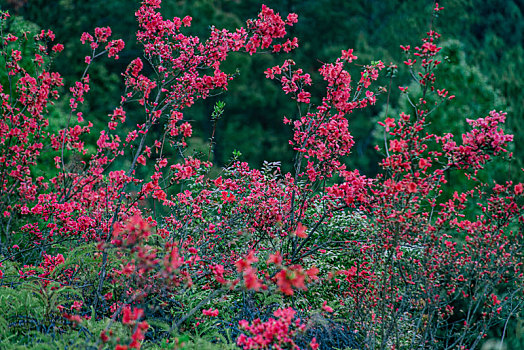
point(405, 266)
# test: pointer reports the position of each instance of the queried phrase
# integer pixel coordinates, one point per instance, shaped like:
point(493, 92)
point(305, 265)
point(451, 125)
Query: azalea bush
point(134, 241)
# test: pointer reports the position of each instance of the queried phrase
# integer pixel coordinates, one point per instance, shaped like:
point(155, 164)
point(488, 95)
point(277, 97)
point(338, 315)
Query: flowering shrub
point(278, 333)
point(133, 240)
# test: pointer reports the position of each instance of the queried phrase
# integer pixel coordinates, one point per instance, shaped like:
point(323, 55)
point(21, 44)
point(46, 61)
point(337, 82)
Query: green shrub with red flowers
point(134, 242)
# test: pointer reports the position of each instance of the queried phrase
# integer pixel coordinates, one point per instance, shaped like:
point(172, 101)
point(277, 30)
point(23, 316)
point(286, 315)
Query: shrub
point(131, 242)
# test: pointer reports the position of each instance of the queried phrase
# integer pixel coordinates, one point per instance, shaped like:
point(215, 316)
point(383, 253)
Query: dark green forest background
point(482, 43)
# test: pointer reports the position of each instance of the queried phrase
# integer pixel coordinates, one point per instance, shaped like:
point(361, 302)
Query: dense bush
point(132, 242)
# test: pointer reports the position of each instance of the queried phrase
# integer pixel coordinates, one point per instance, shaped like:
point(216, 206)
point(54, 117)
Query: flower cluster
point(276, 332)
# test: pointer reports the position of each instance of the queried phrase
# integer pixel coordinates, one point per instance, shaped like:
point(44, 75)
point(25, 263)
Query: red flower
point(141, 160)
point(275, 259)
point(326, 307)
point(251, 280)
point(283, 283)
point(58, 48)
point(388, 123)
point(423, 163)
point(130, 316)
point(304, 96)
point(210, 312)
point(301, 231)
point(312, 273)
point(519, 188)
point(412, 187)
point(104, 337)
point(187, 21)
point(228, 197)
point(313, 344)
point(348, 55)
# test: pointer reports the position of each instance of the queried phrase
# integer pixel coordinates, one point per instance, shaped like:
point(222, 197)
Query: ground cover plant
point(132, 241)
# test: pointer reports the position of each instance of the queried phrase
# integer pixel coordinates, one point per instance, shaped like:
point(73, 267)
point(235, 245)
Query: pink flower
point(210, 312)
point(251, 280)
point(141, 159)
point(86, 37)
point(423, 163)
point(77, 305)
point(303, 96)
point(300, 231)
point(227, 197)
point(114, 47)
point(389, 123)
point(313, 344)
point(187, 21)
point(275, 259)
point(326, 308)
point(58, 48)
point(347, 55)
point(130, 316)
point(102, 33)
point(292, 18)
point(162, 163)
point(412, 187)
